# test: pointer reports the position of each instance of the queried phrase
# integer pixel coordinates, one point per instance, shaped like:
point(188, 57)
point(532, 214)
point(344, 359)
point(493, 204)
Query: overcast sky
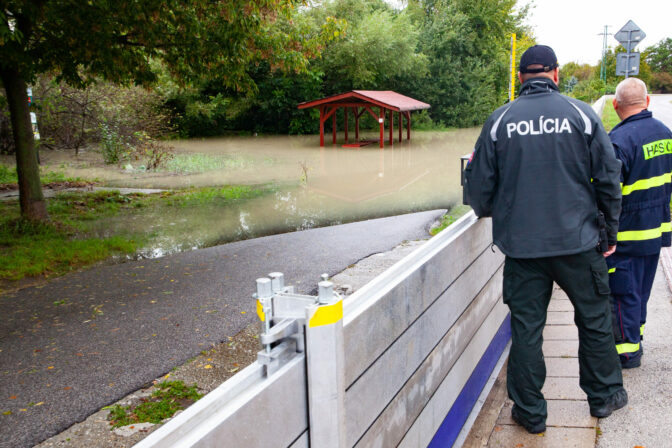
point(571, 27)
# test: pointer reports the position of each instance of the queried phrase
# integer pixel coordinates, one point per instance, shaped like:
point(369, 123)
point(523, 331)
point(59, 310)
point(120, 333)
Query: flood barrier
point(400, 362)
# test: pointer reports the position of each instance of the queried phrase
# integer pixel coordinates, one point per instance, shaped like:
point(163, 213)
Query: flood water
point(314, 186)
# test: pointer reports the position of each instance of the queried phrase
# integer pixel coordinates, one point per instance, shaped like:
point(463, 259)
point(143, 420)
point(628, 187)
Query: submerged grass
point(8, 176)
point(200, 163)
point(65, 243)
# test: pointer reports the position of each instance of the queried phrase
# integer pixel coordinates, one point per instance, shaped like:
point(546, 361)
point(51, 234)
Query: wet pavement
point(82, 341)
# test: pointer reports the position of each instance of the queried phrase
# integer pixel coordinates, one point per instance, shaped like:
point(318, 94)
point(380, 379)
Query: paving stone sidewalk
point(569, 423)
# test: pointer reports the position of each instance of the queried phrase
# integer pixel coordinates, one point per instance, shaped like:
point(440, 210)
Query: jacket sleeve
point(481, 175)
point(606, 174)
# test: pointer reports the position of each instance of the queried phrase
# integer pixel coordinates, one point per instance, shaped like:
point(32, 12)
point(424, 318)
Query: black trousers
point(528, 284)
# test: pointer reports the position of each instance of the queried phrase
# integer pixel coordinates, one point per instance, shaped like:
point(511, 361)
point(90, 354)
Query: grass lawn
point(609, 116)
point(64, 242)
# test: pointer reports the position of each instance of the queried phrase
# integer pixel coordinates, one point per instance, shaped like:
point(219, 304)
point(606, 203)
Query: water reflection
point(317, 187)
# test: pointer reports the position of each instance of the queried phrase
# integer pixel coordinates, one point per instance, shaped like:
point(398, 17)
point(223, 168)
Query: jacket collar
point(638, 116)
point(537, 85)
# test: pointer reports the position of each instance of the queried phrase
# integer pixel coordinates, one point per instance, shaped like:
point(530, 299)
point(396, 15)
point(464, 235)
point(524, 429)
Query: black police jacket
point(542, 168)
point(644, 146)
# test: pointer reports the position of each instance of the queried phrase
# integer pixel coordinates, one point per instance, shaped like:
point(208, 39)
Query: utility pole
point(603, 68)
point(512, 84)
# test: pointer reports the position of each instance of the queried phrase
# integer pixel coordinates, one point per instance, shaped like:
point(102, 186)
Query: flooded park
point(310, 186)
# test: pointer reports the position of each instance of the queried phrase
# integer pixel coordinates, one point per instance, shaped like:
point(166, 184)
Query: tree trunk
point(31, 199)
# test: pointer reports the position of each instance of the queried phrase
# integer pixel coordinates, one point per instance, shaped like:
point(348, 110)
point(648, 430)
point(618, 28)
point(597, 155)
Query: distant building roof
point(385, 98)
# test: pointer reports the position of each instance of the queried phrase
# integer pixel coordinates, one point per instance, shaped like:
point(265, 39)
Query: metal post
point(512, 86)
point(265, 305)
point(325, 367)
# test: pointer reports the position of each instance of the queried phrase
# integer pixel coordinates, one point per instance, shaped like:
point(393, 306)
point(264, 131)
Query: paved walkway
point(644, 422)
point(82, 341)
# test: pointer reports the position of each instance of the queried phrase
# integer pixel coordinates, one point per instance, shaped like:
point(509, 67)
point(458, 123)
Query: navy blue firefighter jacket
point(644, 146)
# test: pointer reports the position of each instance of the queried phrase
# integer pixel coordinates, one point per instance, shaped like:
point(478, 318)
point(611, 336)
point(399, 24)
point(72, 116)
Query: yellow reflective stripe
point(645, 184)
point(641, 330)
point(327, 314)
point(627, 348)
point(260, 311)
point(612, 270)
point(640, 235)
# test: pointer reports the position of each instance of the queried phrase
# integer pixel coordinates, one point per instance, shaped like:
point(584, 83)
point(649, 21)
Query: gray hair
point(631, 92)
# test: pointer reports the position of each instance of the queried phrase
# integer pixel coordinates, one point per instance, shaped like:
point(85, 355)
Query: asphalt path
point(85, 340)
point(661, 106)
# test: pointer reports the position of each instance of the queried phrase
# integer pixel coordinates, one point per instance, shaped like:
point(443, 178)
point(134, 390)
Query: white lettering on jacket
point(538, 127)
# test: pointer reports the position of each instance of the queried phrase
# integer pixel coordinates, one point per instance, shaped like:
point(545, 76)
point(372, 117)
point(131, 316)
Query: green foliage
point(168, 398)
point(467, 43)
point(449, 218)
point(661, 82)
point(113, 146)
point(380, 46)
point(659, 56)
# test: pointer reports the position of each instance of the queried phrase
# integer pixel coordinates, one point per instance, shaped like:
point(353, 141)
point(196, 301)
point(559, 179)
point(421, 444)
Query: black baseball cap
point(538, 55)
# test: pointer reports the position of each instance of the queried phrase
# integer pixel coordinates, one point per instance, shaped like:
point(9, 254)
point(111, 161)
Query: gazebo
point(360, 101)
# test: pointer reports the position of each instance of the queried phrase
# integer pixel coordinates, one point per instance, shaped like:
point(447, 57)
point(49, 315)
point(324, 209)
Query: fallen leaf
point(40, 403)
point(23, 410)
point(7, 413)
point(67, 388)
point(13, 397)
point(80, 354)
point(207, 366)
point(50, 367)
point(243, 312)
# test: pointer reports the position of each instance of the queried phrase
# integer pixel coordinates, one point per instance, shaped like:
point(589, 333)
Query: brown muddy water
point(313, 186)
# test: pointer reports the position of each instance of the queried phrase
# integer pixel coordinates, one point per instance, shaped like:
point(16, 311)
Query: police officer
point(644, 146)
point(543, 167)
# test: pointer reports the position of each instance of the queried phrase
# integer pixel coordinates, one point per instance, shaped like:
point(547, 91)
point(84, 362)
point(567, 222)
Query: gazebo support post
point(408, 125)
point(347, 110)
point(400, 123)
point(356, 124)
point(381, 120)
point(321, 126)
point(390, 113)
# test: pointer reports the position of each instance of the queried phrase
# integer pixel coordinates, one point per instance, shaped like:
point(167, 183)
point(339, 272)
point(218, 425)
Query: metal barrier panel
point(382, 401)
point(387, 373)
point(249, 410)
point(391, 424)
point(428, 422)
point(381, 311)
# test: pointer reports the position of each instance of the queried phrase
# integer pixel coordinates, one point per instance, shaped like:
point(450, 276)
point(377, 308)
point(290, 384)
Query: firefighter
point(644, 146)
point(543, 168)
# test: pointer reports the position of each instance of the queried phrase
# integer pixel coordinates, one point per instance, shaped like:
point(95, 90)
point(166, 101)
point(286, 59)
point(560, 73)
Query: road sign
point(629, 36)
point(627, 64)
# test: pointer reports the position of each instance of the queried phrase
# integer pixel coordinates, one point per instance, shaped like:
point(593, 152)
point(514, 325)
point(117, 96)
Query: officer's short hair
point(630, 92)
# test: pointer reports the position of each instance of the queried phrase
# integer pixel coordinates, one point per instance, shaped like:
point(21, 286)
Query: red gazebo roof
point(384, 98)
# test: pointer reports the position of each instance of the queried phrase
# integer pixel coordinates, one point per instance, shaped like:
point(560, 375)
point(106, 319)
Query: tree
point(659, 56)
point(118, 39)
